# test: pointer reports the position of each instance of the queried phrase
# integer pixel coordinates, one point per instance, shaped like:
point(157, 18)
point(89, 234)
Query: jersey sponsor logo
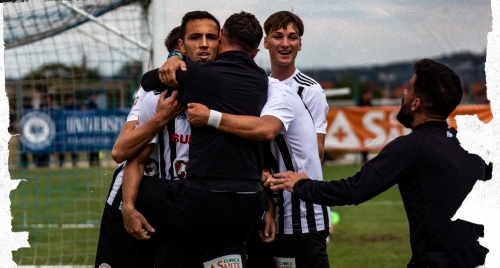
point(180, 169)
point(284, 262)
point(448, 134)
point(228, 261)
point(38, 130)
point(104, 265)
point(180, 138)
point(151, 168)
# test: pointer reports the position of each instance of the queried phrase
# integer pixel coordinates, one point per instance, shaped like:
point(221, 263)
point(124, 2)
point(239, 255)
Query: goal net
point(72, 69)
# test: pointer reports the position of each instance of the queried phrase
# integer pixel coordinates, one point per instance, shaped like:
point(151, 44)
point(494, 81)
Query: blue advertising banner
point(59, 130)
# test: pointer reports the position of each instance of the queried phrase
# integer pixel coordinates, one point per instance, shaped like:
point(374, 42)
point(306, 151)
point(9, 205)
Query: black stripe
point(311, 217)
point(173, 148)
point(161, 143)
point(118, 197)
point(270, 160)
point(285, 153)
point(301, 89)
point(325, 216)
point(280, 210)
point(302, 82)
point(306, 78)
point(287, 159)
point(278, 199)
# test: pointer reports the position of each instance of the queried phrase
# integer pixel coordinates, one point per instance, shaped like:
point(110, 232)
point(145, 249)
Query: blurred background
point(72, 69)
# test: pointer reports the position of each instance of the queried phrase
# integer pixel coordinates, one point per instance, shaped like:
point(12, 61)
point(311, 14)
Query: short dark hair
point(172, 40)
point(196, 15)
point(281, 19)
point(244, 30)
point(437, 86)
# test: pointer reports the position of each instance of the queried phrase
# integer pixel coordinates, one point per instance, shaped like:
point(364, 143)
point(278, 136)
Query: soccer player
point(115, 246)
point(223, 181)
point(433, 172)
point(296, 219)
point(283, 40)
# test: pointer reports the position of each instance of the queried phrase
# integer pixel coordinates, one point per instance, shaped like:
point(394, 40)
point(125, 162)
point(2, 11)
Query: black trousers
point(217, 223)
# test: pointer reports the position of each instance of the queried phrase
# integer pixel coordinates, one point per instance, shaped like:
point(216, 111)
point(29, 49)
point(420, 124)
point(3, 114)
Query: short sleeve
point(278, 103)
point(315, 101)
point(148, 110)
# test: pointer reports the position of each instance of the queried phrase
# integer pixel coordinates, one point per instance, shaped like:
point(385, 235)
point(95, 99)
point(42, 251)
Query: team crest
point(180, 169)
point(151, 168)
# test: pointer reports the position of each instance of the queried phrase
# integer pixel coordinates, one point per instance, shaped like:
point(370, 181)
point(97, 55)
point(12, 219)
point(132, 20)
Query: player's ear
point(265, 41)
point(416, 104)
point(180, 42)
point(300, 43)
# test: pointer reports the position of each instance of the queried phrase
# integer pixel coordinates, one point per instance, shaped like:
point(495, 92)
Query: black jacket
point(232, 83)
point(434, 174)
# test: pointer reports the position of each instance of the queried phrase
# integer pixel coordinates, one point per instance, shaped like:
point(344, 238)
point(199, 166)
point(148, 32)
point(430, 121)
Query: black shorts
point(117, 248)
point(306, 250)
point(259, 254)
point(215, 224)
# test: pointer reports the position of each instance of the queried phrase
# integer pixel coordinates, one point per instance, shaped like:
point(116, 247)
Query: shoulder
point(301, 79)
point(278, 89)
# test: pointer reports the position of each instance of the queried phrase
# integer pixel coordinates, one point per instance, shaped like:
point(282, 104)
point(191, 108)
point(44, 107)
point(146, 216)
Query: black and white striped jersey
point(313, 96)
point(169, 158)
point(295, 148)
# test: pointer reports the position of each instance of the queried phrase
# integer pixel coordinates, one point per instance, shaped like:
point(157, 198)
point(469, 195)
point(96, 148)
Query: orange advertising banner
point(371, 128)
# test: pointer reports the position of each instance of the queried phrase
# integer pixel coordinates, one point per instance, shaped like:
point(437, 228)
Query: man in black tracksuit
point(223, 178)
point(433, 172)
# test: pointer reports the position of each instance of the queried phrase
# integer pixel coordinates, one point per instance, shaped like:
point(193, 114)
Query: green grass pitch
point(61, 209)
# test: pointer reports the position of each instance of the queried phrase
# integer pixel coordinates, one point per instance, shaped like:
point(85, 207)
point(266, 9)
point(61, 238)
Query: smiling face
point(201, 40)
point(283, 45)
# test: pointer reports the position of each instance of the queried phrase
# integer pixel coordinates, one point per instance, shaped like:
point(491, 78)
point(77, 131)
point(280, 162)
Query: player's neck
point(281, 73)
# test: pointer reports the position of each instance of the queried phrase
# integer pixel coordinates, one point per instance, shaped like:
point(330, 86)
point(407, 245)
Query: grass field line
point(62, 225)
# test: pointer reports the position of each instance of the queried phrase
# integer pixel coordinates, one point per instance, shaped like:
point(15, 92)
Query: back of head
point(196, 15)
point(438, 87)
point(282, 19)
point(172, 40)
point(243, 30)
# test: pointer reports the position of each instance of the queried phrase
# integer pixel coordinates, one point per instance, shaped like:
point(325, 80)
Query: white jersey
point(170, 154)
point(295, 148)
point(172, 142)
point(133, 115)
point(313, 96)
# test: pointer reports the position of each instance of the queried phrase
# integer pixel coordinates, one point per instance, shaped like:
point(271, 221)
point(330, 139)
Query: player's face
point(201, 40)
point(283, 45)
point(405, 115)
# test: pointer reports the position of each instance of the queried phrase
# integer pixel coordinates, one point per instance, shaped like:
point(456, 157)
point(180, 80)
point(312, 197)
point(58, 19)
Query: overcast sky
point(353, 33)
point(337, 34)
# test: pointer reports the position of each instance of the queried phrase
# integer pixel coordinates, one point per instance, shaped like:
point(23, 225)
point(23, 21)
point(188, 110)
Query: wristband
point(214, 119)
point(175, 53)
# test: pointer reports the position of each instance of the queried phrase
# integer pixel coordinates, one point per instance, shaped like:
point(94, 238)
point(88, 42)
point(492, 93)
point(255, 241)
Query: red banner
point(371, 128)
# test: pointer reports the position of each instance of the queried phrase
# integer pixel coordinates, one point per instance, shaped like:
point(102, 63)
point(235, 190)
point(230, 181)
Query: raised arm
point(132, 140)
point(167, 71)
